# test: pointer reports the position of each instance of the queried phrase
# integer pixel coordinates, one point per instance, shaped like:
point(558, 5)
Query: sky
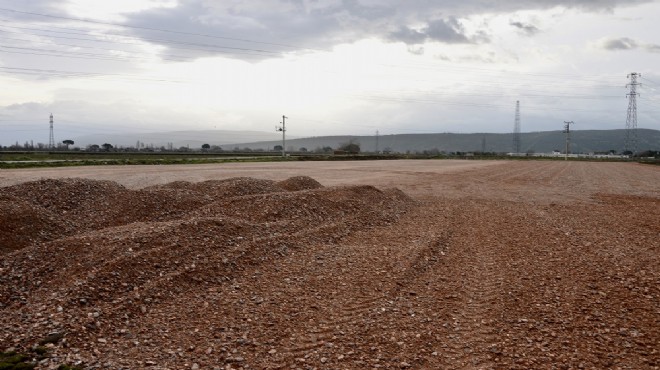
point(333, 67)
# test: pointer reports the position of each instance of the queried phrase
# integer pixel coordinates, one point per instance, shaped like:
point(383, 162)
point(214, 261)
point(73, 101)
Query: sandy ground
point(384, 173)
point(455, 178)
point(483, 265)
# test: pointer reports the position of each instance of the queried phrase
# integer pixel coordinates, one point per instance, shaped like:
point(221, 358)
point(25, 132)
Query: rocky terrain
point(509, 265)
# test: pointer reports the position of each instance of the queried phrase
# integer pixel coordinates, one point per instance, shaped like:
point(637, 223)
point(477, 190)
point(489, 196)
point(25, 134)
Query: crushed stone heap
point(98, 264)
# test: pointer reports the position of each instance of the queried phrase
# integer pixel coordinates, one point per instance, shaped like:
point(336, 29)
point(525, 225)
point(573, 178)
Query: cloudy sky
point(332, 66)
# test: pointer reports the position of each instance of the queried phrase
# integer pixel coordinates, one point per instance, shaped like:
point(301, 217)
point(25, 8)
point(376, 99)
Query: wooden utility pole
point(283, 129)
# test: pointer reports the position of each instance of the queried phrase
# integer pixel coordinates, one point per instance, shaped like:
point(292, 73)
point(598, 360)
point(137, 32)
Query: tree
point(325, 149)
point(206, 147)
point(67, 143)
point(278, 148)
point(107, 147)
point(352, 147)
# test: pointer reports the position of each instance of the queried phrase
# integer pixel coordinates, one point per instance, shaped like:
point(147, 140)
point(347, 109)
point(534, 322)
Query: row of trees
point(30, 145)
point(352, 147)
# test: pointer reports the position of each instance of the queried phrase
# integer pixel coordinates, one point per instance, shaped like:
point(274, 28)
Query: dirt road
point(479, 265)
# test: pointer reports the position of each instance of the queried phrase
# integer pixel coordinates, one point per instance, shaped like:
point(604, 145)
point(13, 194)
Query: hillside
point(546, 141)
point(192, 139)
point(581, 141)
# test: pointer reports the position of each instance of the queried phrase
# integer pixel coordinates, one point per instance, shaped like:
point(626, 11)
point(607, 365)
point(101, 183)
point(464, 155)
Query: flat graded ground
point(334, 265)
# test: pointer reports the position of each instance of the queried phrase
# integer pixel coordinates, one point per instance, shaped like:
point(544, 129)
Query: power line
point(651, 81)
point(36, 71)
point(150, 28)
point(224, 49)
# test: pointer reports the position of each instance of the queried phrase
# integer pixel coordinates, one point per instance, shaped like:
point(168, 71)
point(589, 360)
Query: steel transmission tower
point(631, 119)
point(51, 139)
point(516, 129)
point(567, 131)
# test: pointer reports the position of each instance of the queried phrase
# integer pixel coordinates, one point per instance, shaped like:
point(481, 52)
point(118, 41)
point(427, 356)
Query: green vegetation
point(67, 159)
point(72, 158)
point(41, 351)
point(15, 361)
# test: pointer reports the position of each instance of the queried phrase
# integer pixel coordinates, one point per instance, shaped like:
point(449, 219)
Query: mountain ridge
point(583, 141)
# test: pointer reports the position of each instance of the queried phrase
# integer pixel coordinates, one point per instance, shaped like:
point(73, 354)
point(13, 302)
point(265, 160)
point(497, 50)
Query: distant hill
point(581, 142)
point(193, 139)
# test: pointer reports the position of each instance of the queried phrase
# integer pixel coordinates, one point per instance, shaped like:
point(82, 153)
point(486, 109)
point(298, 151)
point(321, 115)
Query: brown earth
point(470, 265)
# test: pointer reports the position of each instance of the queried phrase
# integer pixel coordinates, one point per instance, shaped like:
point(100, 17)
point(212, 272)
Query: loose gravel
point(516, 265)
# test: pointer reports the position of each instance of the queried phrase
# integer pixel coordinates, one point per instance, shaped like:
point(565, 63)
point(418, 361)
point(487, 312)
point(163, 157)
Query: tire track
point(384, 287)
point(474, 278)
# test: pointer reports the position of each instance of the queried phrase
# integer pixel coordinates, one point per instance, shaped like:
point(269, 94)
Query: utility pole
point(516, 129)
point(567, 131)
point(51, 139)
point(377, 141)
point(631, 119)
point(283, 129)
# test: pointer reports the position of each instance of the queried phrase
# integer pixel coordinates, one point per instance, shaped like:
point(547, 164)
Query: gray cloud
point(262, 29)
point(653, 48)
point(296, 25)
point(416, 49)
point(528, 29)
point(448, 31)
point(51, 7)
point(623, 43)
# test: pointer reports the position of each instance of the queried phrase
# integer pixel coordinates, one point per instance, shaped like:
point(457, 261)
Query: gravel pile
point(91, 260)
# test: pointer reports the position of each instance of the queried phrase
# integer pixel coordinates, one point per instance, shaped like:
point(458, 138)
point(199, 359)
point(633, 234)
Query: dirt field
point(401, 264)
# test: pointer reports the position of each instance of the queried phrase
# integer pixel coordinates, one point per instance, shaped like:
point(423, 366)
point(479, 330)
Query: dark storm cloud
point(528, 29)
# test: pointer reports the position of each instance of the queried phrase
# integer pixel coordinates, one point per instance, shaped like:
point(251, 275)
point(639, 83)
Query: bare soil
point(346, 265)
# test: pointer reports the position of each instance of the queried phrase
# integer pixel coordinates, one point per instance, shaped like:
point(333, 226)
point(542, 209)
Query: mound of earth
point(45, 210)
point(299, 183)
point(98, 263)
point(23, 224)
